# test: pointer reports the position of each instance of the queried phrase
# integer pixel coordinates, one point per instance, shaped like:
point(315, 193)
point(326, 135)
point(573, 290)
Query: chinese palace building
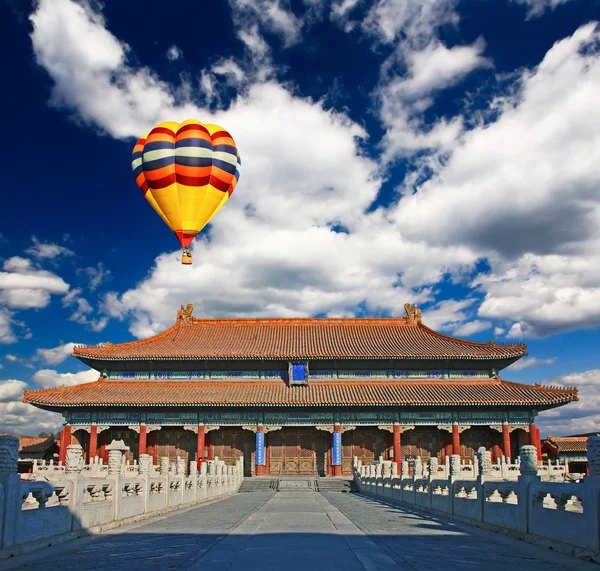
point(301, 396)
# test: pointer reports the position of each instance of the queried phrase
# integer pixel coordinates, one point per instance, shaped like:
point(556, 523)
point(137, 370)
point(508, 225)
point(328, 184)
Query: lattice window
point(291, 446)
point(275, 445)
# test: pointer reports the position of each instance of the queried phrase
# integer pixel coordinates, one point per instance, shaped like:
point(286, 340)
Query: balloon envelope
point(187, 172)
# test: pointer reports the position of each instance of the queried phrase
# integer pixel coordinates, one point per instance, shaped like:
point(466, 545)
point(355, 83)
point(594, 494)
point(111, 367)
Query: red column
point(142, 446)
point(93, 440)
point(397, 447)
point(65, 440)
point(337, 468)
point(200, 445)
point(260, 468)
point(455, 439)
point(534, 439)
point(506, 441)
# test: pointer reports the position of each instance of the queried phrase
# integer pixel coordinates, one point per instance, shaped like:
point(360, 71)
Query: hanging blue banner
point(260, 449)
point(336, 453)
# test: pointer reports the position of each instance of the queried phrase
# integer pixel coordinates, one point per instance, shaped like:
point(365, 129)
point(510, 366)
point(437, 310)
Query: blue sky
point(433, 151)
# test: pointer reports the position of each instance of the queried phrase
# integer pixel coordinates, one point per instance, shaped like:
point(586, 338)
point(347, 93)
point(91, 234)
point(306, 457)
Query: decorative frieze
point(288, 374)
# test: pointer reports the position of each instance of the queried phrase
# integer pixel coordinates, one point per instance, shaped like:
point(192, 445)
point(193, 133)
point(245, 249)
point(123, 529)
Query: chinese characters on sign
point(260, 448)
point(336, 453)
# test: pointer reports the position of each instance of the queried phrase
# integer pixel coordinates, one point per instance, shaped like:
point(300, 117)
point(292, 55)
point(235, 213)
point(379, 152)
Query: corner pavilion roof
point(567, 443)
point(367, 338)
point(276, 393)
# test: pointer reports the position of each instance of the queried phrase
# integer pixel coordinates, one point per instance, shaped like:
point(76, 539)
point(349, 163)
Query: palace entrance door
point(297, 452)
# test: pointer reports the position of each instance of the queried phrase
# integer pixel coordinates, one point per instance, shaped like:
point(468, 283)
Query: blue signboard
point(260, 449)
point(298, 374)
point(336, 453)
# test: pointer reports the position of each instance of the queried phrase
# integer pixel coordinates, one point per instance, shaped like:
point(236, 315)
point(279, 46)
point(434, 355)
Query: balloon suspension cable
point(186, 257)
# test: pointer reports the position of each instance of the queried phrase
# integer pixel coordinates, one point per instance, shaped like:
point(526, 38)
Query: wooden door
point(292, 453)
point(176, 443)
point(228, 445)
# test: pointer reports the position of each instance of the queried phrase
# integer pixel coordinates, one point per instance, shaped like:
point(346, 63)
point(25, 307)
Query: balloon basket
point(186, 258)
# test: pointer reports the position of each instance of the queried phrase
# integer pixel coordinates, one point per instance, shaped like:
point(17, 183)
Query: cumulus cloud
point(55, 355)
point(82, 310)
point(277, 249)
point(17, 417)
point(527, 362)
point(96, 276)
point(7, 334)
point(49, 378)
point(532, 177)
point(23, 285)
point(45, 251)
point(577, 417)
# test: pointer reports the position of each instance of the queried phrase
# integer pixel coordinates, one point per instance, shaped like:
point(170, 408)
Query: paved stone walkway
point(296, 531)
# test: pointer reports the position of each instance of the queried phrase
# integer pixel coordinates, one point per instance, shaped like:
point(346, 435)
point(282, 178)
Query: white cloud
point(17, 417)
point(48, 378)
point(275, 16)
point(96, 275)
point(24, 286)
point(268, 261)
point(82, 309)
point(527, 362)
point(44, 251)
point(413, 21)
point(537, 8)
point(174, 53)
point(56, 355)
point(523, 192)
point(11, 390)
point(448, 314)
point(577, 417)
point(7, 334)
point(472, 327)
point(11, 358)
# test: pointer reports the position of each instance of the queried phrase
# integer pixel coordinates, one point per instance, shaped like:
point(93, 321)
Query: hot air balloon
point(187, 172)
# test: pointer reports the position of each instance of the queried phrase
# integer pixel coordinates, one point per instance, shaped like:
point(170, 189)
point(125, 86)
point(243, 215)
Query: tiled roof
point(494, 392)
point(300, 338)
point(568, 443)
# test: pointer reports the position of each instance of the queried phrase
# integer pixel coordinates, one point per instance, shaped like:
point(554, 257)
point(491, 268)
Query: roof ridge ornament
point(413, 314)
point(184, 315)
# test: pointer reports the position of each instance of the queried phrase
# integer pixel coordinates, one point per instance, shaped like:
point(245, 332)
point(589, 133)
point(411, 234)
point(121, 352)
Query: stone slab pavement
point(296, 531)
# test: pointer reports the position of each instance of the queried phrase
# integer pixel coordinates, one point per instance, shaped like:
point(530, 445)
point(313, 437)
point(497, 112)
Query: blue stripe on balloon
point(193, 142)
point(137, 170)
point(137, 155)
point(193, 161)
point(226, 149)
point(156, 145)
point(227, 167)
point(157, 164)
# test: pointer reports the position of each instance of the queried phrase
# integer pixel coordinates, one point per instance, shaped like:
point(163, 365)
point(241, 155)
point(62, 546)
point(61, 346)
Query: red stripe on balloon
point(219, 184)
point(193, 126)
point(162, 182)
point(192, 180)
point(162, 130)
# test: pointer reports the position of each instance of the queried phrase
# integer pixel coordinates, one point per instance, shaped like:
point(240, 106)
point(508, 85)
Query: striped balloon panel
point(187, 172)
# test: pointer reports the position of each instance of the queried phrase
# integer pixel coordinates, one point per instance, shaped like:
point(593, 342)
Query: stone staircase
point(336, 485)
point(258, 485)
point(297, 485)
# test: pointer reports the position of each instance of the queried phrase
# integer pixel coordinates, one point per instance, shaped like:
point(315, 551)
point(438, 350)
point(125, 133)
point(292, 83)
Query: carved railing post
point(484, 464)
point(9, 454)
point(74, 459)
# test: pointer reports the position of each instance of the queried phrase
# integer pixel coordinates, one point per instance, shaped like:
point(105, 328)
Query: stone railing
point(57, 503)
point(565, 516)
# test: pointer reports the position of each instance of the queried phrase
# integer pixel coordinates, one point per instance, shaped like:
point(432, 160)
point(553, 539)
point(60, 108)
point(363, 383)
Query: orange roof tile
point(567, 443)
point(494, 392)
point(300, 338)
